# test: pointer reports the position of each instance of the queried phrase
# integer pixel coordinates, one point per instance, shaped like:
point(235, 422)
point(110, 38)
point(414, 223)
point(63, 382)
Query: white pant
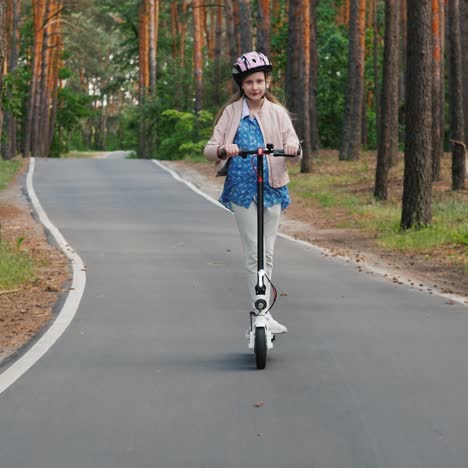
point(246, 219)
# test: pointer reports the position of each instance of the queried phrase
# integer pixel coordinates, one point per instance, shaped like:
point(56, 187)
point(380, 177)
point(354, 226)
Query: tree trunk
point(438, 100)
point(464, 32)
point(456, 97)
point(304, 85)
point(313, 79)
point(183, 33)
point(442, 25)
point(403, 53)
point(152, 44)
point(343, 13)
point(153, 31)
point(143, 44)
point(3, 37)
point(375, 59)
point(143, 83)
point(198, 62)
point(246, 26)
point(364, 126)
point(231, 36)
point(263, 27)
point(9, 148)
point(417, 189)
point(237, 26)
point(351, 143)
point(40, 109)
point(3, 50)
point(293, 64)
point(38, 14)
point(217, 55)
point(388, 132)
point(54, 75)
point(102, 125)
point(54, 51)
point(174, 29)
point(209, 21)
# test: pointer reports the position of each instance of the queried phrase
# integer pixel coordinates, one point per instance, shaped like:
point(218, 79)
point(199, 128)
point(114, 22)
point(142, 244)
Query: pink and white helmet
point(248, 63)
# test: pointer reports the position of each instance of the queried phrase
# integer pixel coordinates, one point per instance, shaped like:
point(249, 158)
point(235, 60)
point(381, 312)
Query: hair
point(240, 94)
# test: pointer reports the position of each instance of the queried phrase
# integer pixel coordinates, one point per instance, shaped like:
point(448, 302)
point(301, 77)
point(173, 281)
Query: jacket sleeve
point(218, 138)
point(290, 135)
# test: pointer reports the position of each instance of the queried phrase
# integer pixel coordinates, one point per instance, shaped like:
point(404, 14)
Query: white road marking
point(309, 245)
point(190, 185)
point(70, 307)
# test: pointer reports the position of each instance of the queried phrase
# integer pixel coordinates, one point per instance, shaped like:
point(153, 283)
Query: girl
point(253, 118)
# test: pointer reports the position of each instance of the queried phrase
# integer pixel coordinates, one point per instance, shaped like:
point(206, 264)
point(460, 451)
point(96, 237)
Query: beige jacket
point(276, 127)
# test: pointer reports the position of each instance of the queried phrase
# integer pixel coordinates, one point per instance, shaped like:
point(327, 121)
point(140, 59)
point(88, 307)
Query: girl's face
point(255, 86)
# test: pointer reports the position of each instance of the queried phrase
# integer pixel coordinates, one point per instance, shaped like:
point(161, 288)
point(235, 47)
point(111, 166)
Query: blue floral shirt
point(240, 186)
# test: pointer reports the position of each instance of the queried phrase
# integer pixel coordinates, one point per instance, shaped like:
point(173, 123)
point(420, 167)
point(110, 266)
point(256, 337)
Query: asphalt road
point(154, 370)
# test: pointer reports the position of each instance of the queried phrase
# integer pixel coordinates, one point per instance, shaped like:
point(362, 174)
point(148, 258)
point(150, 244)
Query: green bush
point(177, 134)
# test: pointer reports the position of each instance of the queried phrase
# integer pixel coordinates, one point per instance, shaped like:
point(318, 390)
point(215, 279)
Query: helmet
point(248, 63)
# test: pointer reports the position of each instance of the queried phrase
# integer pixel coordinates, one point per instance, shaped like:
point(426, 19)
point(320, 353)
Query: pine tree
point(456, 97)
point(388, 131)
point(3, 49)
point(351, 138)
point(417, 189)
point(437, 96)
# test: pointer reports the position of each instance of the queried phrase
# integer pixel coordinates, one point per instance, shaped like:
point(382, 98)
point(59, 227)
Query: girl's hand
point(231, 150)
point(291, 150)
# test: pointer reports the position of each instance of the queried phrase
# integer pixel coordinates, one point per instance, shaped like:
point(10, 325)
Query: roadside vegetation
point(7, 170)
point(16, 265)
point(344, 195)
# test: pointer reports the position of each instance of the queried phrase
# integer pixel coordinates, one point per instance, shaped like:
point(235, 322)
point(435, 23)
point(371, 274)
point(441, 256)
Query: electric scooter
point(259, 336)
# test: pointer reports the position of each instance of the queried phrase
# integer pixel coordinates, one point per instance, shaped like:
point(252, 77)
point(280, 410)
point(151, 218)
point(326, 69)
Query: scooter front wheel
point(260, 347)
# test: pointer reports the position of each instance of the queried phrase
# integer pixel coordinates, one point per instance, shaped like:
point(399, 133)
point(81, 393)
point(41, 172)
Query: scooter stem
point(260, 265)
point(260, 288)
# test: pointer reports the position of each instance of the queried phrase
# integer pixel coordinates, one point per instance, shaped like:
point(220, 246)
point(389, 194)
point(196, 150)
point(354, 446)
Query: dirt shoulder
point(427, 271)
point(26, 310)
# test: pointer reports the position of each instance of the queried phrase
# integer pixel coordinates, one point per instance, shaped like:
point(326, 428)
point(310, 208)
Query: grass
point(449, 226)
point(7, 170)
point(342, 192)
point(16, 266)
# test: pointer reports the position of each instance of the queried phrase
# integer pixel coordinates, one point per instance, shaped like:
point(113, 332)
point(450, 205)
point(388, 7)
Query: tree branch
point(456, 142)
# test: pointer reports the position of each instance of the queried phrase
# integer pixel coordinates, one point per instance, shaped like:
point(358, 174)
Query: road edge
point(68, 311)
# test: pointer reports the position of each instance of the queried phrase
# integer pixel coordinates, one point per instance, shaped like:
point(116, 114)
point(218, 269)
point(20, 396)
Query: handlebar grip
point(222, 153)
point(282, 153)
point(243, 153)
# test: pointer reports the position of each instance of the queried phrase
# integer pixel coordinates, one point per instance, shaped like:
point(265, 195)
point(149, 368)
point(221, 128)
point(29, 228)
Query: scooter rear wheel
point(260, 347)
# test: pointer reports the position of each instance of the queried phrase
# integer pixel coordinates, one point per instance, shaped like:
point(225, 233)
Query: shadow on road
point(215, 363)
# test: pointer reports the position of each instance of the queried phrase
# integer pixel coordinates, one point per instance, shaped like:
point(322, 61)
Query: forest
point(149, 76)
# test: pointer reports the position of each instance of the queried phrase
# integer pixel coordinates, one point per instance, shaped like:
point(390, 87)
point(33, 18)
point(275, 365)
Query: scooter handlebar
point(268, 150)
